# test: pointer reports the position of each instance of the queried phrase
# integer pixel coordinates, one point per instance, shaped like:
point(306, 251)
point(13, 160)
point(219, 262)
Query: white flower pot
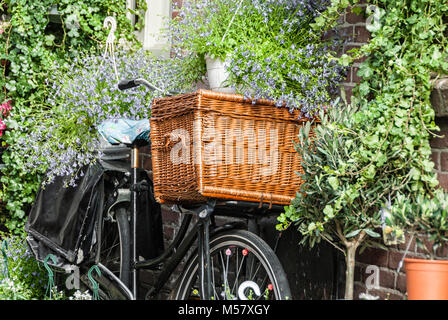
point(217, 75)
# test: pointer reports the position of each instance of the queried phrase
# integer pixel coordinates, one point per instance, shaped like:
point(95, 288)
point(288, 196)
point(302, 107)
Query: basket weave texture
point(209, 144)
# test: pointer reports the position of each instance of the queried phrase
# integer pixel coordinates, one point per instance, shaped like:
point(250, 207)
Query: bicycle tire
point(234, 239)
point(115, 255)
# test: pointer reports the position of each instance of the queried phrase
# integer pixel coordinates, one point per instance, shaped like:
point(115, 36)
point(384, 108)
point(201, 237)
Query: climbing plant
point(347, 187)
point(34, 36)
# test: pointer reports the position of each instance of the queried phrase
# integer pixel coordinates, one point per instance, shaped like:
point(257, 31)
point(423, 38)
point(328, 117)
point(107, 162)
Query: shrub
point(25, 278)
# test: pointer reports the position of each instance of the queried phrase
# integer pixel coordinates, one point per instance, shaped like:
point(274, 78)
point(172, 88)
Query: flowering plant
point(63, 137)
point(273, 52)
point(24, 278)
point(5, 108)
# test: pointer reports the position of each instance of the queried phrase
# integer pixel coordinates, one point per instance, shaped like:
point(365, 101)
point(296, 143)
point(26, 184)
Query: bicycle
point(228, 261)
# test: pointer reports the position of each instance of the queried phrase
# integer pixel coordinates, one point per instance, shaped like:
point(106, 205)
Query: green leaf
point(345, 60)
point(328, 211)
point(353, 233)
point(334, 182)
point(372, 233)
point(49, 39)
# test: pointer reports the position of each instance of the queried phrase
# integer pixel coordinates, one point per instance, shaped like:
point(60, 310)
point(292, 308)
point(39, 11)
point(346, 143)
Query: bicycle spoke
point(215, 294)
point(238, 271)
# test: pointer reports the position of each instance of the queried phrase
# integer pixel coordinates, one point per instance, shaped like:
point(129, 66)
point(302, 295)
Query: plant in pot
point(341, 199)
point(209, 32)
point(424, 218)
point(332, 204)
point(268, 47)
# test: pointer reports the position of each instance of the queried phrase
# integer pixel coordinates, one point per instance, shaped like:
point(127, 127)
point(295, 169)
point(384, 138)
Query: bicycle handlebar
point(128, 84)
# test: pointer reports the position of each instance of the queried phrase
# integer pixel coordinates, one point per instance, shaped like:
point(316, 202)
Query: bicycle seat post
point(134, 173)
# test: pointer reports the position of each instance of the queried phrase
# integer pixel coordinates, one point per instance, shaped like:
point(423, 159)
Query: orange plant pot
point(426, 279)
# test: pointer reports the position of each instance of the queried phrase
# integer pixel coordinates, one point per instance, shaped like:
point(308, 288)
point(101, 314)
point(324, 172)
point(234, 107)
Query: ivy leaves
point(31, 44)
point(382, 147)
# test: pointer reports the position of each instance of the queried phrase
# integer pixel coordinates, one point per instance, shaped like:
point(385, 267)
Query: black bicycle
point(220, 261)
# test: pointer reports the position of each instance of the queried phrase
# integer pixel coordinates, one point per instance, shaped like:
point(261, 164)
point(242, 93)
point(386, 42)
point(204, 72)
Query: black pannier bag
point(65, 221)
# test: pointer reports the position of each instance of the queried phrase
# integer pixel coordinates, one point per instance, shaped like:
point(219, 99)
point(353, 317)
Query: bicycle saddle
point(125, 131)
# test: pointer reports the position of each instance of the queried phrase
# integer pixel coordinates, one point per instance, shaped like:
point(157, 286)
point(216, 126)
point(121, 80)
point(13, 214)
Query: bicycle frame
point(173, 255)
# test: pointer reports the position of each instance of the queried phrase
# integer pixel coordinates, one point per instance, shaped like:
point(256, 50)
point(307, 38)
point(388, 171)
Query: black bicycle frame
point(173, 255)
point(179, 247)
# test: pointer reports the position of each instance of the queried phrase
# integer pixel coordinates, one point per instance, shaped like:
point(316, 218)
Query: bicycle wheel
point(115, 249)
point(243, 267)
point(115, 255)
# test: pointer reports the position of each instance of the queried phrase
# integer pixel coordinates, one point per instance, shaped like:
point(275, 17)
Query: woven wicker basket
point(208, 144)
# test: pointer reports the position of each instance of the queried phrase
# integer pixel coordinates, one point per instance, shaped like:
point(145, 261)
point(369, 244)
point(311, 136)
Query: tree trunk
point(350, 271)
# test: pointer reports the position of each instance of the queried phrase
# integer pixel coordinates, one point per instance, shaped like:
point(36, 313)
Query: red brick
point(387, 279)
point(362, 35)
point(348, 77)
point(443, 180)
point(373, 256)
point(400, 283)
point(358, 288)
point(360, 273)
point(347, 33)
point(355, 77)
point(328, 35)
point(177, 3)
point(435, 157)
point(169, 216)
point(385, 294)
point(396, 256)
point(353, 18)
point(444, 161)
point(442, 142)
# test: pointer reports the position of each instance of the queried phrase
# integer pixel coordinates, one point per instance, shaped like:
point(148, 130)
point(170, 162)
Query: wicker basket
point(209, 144)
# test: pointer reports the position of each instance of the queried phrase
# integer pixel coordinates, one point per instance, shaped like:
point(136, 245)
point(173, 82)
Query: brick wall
point(439, 146)
point(352, 28)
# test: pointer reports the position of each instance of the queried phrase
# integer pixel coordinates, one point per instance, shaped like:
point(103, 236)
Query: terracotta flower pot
point(426, 279)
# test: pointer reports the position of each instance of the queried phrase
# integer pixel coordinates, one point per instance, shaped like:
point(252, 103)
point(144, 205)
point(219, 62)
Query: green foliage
point(32, 42)
point(213, 28)
point(428, 217)
point(339, 199)
point(390, 132)
point(26, 278)
point(364, 161)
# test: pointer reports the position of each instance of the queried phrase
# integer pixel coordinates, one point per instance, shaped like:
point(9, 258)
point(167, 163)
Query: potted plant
point(426, 219)
point(338, 201)
point(267, 48)
point(210, 31)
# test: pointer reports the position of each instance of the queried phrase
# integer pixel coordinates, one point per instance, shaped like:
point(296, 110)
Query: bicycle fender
point(124, 196)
